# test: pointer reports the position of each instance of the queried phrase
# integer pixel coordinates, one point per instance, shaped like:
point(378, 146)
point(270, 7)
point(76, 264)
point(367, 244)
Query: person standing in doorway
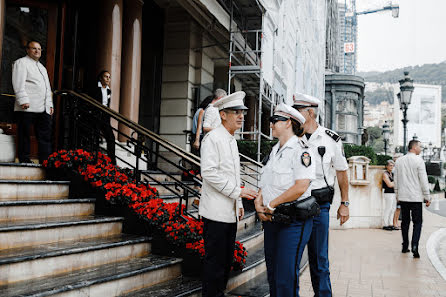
point(328, 154)
point(102, 94)
point(33, 102)
point(411, 189)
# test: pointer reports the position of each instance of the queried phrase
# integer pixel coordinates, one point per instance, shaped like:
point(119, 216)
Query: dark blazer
point(96, 93)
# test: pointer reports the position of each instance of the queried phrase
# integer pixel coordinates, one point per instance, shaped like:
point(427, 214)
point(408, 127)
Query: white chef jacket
point(220, 170)
point(334, 159)
point(285, 166)
point(410, 178)
point(211, 117)
point(31, 85)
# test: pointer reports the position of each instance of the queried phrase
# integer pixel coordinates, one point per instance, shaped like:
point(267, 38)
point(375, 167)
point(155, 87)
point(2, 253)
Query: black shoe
point(388, 228)
point(415, 252)
point(405, 248)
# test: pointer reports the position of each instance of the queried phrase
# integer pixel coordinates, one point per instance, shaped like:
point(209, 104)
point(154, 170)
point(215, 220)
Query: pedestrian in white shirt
point(211, 118)
point(411, 189)
point(33, 102)
point(221, 198)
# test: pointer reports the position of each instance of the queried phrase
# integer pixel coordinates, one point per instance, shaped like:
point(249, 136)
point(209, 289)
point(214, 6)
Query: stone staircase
point(51, 245)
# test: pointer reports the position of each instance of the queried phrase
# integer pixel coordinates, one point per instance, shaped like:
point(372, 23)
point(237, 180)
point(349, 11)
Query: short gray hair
point(218, 93)
point(390, 162)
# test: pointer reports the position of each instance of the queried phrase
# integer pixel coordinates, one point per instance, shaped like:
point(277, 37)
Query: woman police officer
point(286, 177)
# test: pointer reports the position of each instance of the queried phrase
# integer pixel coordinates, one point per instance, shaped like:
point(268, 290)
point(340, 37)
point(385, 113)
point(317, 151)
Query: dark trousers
point(414, 209)
point(106, 131)
point(219, 241)
point(318, 253)
point(42, 128)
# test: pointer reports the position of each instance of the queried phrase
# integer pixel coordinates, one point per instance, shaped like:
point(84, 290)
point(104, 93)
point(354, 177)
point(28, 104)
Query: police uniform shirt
point(333, 159)
point(293, 161)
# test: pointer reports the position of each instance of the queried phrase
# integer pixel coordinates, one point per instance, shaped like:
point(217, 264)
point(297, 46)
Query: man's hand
point(51, 111)
point(343, 213)
point(25, 106)
point(241, 213)
point(196, 144)
point(248, 193)
point(428, 203)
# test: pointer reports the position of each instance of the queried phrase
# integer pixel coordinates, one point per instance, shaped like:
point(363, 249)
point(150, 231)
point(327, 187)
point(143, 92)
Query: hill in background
point(432, 74)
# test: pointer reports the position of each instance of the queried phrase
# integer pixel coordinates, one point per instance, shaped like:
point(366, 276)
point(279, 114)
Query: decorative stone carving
point(359, 170)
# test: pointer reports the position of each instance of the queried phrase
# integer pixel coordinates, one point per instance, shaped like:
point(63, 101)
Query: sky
point(417, 37)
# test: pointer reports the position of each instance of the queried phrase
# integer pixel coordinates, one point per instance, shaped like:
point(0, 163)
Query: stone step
point(159, 176)
point(170, 188)
point(107, 280)
point(21, 171)
point(39, 209)
point(256, 287)
point(33, 189)
point(174, 198)
point(32, 232)
point(50, 259)
point(178, 287)
point(251, 237)
point(190, 287)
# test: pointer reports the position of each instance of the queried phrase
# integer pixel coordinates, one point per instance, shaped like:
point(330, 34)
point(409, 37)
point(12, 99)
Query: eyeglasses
point(274, 119)
point(35, 48)
point(236, 111)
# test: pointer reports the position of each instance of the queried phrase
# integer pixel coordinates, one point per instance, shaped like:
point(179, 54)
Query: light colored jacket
point(211, 118)
point(220, 170)
point(31, 85)
point(410, 179)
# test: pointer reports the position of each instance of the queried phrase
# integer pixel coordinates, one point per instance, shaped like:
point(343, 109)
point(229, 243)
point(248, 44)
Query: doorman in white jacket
point(221, 198)
point(33, 102)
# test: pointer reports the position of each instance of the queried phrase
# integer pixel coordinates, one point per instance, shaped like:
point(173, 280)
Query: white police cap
point(232, 101)
point(287, 111)
point(303, 100)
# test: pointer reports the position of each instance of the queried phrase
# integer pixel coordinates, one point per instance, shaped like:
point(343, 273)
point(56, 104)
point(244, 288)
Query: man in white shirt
point(221, 198)
point(211, 118)
point(33, 102)
point(411, 189)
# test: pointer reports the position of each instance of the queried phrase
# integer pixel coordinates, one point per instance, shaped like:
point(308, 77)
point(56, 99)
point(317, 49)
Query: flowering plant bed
point(181, 235)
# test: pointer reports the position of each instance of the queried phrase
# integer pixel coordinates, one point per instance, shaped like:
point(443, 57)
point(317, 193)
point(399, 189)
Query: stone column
point(109, 45)
point(131, 62)
point(2, 25)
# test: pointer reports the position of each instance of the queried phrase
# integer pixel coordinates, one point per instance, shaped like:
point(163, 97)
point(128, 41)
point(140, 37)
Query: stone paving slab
point(369, 263)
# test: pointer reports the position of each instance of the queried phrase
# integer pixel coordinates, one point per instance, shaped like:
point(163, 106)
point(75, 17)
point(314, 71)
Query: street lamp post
point(386, 136)
point(404, 97)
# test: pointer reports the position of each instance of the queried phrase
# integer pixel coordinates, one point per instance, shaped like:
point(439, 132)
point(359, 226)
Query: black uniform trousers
point(42, 128)
point(106, 131)
point(414, 209)
point(219, 241)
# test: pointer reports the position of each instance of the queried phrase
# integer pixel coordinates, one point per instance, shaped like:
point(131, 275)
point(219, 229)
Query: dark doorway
point(151, 65)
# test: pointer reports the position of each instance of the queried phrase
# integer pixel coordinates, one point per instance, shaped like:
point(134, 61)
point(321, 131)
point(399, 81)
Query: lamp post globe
point(404, 98)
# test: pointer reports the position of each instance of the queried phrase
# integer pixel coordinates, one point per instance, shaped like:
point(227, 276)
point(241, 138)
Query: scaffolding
point(245, 64)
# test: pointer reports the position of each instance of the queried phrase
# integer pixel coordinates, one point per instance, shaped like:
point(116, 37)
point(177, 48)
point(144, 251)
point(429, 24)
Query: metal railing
point(82, 120)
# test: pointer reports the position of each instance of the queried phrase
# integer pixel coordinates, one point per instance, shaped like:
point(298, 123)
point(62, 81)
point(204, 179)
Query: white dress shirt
point(105, 96)
point(31, 86)
point(410, 178)
point(333, 160)
point(211, 117)
point(220, 170)
point(284, 167)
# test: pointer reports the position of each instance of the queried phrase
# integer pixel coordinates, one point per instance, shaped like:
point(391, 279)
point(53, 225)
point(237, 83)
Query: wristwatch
point(346, 203)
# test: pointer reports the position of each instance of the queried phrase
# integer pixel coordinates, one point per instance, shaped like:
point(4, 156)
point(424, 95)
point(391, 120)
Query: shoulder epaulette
point(333, 135)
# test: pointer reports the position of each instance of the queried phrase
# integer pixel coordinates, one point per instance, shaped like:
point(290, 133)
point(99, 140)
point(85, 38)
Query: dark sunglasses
point(274, 119)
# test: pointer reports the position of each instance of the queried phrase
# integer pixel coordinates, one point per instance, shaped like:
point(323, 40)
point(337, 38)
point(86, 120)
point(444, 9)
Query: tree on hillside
point(375, 139)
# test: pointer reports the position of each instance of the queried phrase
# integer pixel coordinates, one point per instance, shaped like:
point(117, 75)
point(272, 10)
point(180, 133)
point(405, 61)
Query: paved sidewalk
point(369, 262)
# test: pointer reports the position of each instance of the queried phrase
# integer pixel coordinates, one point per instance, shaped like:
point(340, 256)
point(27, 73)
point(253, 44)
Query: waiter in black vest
point(102, 93)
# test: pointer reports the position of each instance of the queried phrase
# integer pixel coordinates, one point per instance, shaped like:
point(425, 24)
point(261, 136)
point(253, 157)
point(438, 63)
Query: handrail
point(136, 127)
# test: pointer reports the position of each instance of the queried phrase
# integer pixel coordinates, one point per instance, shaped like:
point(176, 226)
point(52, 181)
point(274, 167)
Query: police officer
point(286, 177)
point(328, 155)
